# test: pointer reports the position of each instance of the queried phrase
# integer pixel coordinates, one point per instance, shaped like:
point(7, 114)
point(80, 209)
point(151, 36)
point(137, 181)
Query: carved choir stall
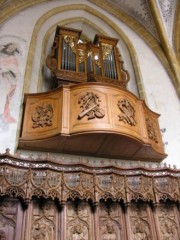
point(52, 198)
point(92, 194)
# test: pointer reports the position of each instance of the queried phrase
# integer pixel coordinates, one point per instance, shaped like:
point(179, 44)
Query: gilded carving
point(97, 60)
point(71, 41)
point(106, 49)
point(81, 55)
point(127, 112)
point(42, 116)
point(152, 134)
point(90, 104)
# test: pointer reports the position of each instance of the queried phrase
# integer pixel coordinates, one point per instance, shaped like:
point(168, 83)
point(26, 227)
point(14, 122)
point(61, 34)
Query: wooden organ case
point(90, 112)
point(89, 195)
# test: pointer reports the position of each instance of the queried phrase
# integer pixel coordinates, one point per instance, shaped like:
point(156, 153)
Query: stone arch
point(107, 21)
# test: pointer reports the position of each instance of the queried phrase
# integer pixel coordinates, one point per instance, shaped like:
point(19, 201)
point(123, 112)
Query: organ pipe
point(97, 61)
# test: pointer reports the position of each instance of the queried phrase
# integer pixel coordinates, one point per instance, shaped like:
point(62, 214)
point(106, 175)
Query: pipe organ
point(74, 61)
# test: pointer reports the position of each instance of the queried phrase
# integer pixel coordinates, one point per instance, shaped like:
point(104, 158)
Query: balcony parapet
point(92, 119)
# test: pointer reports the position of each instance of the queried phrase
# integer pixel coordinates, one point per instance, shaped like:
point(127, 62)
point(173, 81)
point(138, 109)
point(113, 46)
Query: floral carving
point(151, 130)
point(90, 102)
point(127, 112)
point(42, 116)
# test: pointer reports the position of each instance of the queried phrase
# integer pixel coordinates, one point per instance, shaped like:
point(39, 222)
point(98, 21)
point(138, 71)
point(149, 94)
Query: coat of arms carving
point(42, 116)
point(90, 104)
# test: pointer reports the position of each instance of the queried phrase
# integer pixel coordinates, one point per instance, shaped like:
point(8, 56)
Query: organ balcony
point(90, 112)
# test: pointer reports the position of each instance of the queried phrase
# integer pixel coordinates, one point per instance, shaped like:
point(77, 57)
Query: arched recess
point(45, 17)
point(49, 34)
point(94, 12)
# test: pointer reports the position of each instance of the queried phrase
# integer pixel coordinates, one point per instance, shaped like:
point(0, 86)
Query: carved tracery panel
point(44, 221)
point(79, 224)
point(141, 227)
point(111, 222)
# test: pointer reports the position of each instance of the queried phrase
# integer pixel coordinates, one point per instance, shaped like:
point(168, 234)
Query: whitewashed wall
point(160, 92)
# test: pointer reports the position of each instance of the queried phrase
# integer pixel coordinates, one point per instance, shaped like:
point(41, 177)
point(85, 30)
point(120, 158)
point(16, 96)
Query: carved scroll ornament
point(90, 102)
point(127, 112)
point(42, 116)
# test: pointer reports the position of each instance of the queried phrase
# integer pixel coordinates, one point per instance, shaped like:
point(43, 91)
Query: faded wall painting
point(12, 65)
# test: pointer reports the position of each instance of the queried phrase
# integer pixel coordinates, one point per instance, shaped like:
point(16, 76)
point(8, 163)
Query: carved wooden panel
point(111, 222)
point(168, 222)
point(140, 222)
point(78, 185)
point(43, 222)
point(89, 109)
point(110, 186)
point(140, 187)
point(79, 222)
point(167, 188)
point(10, 219)
point(42, 115)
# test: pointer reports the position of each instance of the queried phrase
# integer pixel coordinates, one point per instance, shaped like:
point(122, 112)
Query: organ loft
point(88, 115)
